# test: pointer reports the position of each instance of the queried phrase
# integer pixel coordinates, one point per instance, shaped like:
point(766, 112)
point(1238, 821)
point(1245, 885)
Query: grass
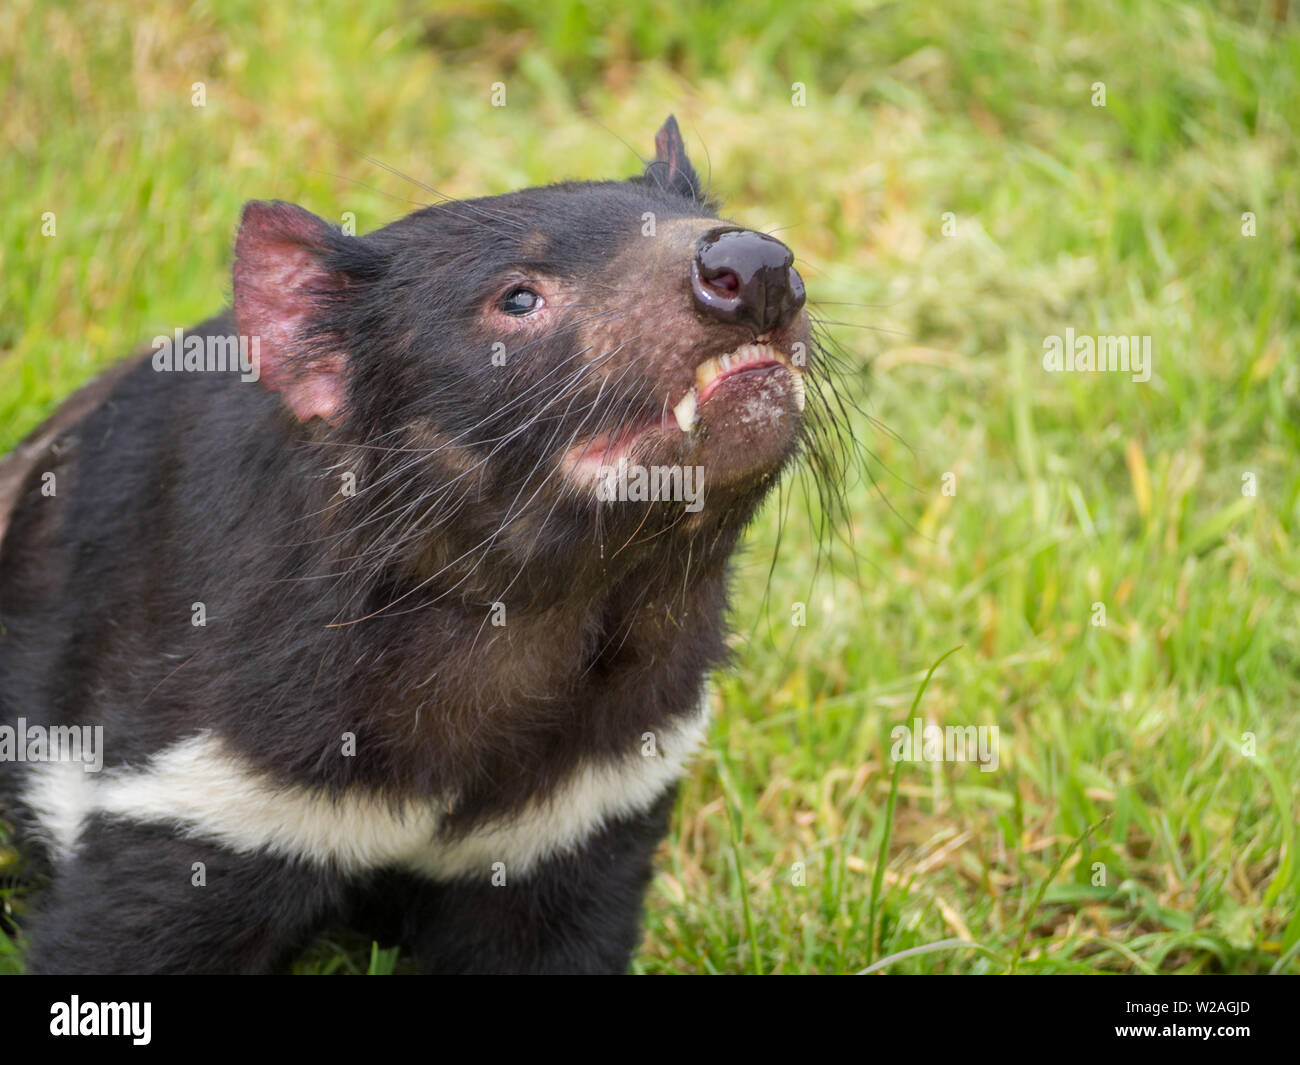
point(1129, 826)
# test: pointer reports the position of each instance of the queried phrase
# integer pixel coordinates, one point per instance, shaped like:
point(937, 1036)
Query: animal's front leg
point(576, 912)
point(138, 898)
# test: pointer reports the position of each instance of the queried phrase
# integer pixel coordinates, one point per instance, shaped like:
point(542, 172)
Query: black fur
point(578, 913)
point(369, 614)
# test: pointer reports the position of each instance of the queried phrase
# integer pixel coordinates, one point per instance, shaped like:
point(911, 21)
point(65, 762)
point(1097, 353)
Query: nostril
point(726, 282)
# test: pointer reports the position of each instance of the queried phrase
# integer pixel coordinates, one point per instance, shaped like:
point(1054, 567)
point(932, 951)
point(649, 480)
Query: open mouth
point(711, 374)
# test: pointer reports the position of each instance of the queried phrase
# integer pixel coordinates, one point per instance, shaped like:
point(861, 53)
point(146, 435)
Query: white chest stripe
point(211, 794)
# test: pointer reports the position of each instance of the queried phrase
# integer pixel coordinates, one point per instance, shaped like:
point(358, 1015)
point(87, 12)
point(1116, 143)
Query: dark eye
point(520, 301)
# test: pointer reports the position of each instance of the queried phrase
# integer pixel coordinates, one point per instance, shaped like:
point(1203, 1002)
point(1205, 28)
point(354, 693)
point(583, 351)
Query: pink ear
point(670, 149)
point(671, 169)
point(280, 277)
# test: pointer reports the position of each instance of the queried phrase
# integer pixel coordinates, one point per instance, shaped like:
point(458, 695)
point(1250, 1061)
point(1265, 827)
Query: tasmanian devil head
point(564, 383)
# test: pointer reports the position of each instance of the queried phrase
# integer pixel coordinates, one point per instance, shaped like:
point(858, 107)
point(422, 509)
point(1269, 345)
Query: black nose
point(741, 276)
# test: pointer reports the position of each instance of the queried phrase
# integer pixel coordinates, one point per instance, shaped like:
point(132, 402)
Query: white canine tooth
point(684, 412)
point(796, 383)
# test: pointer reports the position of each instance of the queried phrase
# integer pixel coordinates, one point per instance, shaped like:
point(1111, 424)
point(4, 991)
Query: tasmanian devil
point(407, 628)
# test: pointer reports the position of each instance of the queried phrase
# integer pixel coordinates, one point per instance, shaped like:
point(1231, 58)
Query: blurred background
point(958, 180)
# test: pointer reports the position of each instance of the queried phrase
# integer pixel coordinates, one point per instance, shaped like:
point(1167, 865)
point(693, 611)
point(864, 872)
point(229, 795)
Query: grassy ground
point(1067, 490)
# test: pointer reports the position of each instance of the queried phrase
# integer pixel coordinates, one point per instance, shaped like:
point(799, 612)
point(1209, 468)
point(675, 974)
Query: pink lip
point(589, 457)
point(732, 371)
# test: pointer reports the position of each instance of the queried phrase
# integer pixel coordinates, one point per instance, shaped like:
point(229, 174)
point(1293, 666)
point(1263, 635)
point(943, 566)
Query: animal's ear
point(671, 170)
point(283, 281)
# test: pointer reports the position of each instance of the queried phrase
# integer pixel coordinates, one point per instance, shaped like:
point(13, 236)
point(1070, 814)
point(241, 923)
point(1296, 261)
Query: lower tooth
point(799, 397)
